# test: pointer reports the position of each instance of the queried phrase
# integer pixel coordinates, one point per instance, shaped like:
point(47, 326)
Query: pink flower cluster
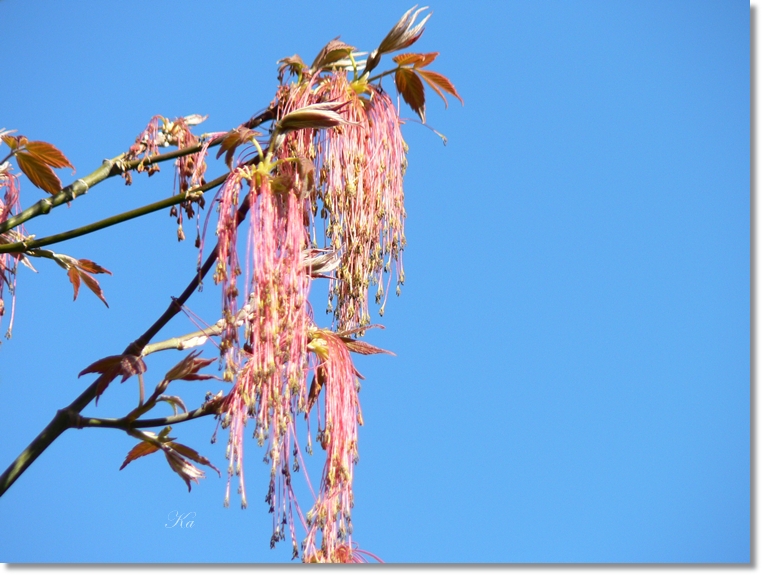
point(333, 168)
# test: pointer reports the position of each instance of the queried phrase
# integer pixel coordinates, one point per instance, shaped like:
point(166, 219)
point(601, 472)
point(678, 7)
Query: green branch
point(209, 408)
point(111, 221)
point(70, 192)
point(113, 167)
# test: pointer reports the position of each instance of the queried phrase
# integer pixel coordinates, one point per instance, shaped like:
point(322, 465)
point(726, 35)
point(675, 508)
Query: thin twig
point(209, 408)
point(111, 221)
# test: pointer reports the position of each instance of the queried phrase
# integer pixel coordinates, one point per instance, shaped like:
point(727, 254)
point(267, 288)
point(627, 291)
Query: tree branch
point(111, 221)
point(209, 408)
point(113, 167)
point(68, 417)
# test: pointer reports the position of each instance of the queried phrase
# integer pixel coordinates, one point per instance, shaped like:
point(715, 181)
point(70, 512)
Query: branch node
point(84, 183)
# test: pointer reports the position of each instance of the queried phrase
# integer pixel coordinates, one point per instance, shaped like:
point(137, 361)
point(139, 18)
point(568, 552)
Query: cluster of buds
point(162, 132)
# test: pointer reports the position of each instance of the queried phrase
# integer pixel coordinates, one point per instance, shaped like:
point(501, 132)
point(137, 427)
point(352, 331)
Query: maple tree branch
point(110, 168)
point(70, 192)
point(209, 408)
point(26, 245)
point(68, 417)
point(186, 341)
point(195, 338)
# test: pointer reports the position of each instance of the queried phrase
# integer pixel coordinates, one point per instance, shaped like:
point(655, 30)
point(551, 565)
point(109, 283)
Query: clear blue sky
point(572, 373)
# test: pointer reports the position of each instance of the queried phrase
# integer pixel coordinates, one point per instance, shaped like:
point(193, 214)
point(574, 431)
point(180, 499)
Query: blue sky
point(572, 374)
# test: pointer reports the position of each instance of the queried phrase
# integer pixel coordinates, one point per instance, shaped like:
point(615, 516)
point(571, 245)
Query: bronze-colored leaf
point(411, 88)
point(141, 449)
point(124, 365)
point(294, 64)
point(232, 140)
point(346, 332)
point(92, 283)
point(91, 267)
point(317, 116)
point(439, 83)
point(332, 52)
point(38, 172)
point(187, 369)
point(192, 454)
point(317, 384)
point(306, 170)
point(73, 274)
point(111, 367)
point(186, 470)
point(48, 154)
point(417, 60)
point(363, 347)
point(403, 34)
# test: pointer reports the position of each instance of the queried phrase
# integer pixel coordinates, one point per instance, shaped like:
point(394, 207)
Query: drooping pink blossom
point(329, 521)
point(270, 386)
point(359, 167)
point(228, 268)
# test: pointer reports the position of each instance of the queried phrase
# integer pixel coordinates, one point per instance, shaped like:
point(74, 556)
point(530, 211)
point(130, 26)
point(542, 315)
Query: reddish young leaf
point(439, 83)
point(404, 33)
point(417, 60)
point(188, 368)
point(38, 172)
point(232, 140)
point(317, 384)
point(112, 366)
point(124, 365)
point(411, 88)
point(74, 279)
point(345, 332)
point(92, 267)
point(294, 64)
point(91, 283)
point(48, 154)
point(141, 449)
point(332, 52)
point(363, 347)
point(192, 454)
point(317, 116)
point(186, 470)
